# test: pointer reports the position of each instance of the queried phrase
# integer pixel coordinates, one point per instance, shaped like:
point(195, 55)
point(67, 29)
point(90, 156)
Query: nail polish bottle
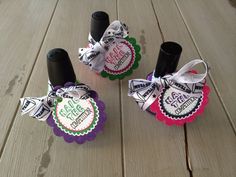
point(99, 23)
point(76, 120)
point(111, 52)
point(167, 61)
point(60, 70)
point(183, 97)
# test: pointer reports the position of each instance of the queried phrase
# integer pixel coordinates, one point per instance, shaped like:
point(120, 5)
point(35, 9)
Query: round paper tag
point(121, 59)
point(76, 117)
point(175, 107)
point(178, 105)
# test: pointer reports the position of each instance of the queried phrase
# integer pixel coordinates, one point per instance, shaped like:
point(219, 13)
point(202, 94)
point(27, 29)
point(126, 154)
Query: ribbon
point(94, 55)
point(41, 107)
point(145, 92)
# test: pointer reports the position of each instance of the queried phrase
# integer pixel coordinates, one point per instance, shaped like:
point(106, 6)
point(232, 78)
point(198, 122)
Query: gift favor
point(110, 52)
point(70, 108)
point(173, 97)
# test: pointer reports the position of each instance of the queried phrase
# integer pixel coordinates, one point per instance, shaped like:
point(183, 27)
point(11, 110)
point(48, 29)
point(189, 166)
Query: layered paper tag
point(77, 120)
point(121, 59)
point(76, 117)
point(174, 98)
point(73, 111)
point(174, 107)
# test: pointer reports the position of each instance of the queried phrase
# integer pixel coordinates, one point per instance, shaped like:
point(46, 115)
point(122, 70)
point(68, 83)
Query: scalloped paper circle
point(162, 115)
point(132, 65)
point(70, 137)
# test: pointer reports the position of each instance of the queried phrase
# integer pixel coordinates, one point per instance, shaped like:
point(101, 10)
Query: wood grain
point(150, 148)
point(211, 139)
point(133, 143)
point(212, 26)
point(22, 28)
point(32, 149)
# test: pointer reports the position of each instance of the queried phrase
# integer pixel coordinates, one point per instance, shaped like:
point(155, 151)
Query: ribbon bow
point(41, 107)
point(145, 92)
point(94, 54)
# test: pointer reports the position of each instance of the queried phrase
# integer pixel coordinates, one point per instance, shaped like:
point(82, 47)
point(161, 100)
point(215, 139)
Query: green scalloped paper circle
point(78, 133)
point(135, 65)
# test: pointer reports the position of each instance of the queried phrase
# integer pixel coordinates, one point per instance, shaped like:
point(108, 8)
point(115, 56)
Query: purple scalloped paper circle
point(91, 135)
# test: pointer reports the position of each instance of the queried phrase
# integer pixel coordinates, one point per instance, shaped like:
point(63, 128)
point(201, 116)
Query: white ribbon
point(145, 92)
point(41, 107)
point(91, 41)
point(94, 54)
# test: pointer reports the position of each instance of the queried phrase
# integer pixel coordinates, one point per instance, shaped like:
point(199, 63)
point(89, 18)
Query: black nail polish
point(168, 58)
point(60, 70)
point(99, 24)
point(167, 61)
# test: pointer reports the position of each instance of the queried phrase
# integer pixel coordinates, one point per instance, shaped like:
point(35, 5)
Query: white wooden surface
point(133, 143)
point(23, 25)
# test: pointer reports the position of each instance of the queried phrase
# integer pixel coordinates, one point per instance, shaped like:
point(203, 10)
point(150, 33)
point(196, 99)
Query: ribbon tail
point(191, 90)
point(185, 76)
point(29, 103)
point(36, 107)
point(50, 87)
point(83, 52)
point(116, 29)
point(94, 57)
point(41, 112)
point(91, 41)
point(144, 92)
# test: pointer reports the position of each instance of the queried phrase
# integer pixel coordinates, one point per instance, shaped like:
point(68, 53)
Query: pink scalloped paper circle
point(155, 108)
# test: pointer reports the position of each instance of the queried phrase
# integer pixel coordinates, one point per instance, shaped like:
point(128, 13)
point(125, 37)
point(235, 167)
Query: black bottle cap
point(60, 69)
point(168, 58)
point(99, 24)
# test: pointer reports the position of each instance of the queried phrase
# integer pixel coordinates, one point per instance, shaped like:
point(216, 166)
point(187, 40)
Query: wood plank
point(32, 149)
point(22, 28)
point(212, 25)
point(150, 148)
point(211, 139)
